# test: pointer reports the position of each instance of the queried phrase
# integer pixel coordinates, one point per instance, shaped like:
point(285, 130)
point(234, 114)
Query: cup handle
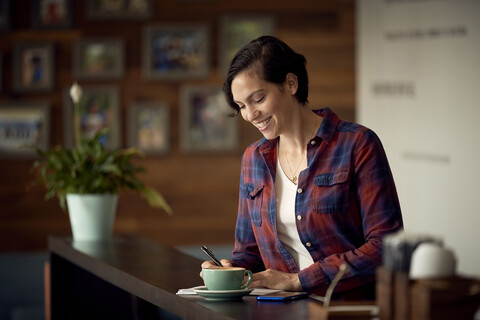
point(249, 280)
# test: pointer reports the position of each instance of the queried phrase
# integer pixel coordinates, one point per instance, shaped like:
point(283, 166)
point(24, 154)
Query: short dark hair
point(273, 60)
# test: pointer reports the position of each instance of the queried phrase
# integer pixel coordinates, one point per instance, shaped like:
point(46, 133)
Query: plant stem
point(76, 124)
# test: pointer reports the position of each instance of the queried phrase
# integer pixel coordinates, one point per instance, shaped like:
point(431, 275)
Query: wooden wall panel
point(202, 189)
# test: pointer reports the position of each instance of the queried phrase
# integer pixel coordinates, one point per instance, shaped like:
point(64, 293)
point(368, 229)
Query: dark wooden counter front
point(134, 278)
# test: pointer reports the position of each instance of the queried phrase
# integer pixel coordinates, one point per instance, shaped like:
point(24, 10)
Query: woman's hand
point(210, 264)
point(274, 279)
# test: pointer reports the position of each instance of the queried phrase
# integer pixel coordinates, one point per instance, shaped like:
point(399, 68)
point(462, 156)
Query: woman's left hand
point(274, 279)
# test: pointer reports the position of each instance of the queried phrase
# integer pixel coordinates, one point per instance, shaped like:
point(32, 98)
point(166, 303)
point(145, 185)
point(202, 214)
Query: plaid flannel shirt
point(346, 202)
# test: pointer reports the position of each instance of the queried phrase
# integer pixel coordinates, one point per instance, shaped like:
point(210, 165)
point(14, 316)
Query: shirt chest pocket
point(331, 192)
point(253, 196)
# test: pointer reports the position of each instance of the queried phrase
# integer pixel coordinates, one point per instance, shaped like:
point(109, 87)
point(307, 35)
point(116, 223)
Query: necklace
point(294, 173)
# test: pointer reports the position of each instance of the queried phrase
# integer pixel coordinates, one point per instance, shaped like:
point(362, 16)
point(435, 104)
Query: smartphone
point(282, 296)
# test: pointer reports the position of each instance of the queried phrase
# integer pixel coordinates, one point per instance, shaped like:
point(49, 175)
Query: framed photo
point(24, 127)
point(98, 110)
point(119, 9)
point(33, 66)
point(175, 52)
point(98, 58)
point(52, 14)
point(1, 72)
point(5, 14)
point(204, 122)
point(238, 30)
point(149, 127)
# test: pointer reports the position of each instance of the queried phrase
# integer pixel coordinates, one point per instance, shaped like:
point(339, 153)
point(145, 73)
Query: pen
point(209, 253)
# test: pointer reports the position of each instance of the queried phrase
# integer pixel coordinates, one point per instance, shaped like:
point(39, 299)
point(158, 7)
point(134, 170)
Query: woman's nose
point(251, 114)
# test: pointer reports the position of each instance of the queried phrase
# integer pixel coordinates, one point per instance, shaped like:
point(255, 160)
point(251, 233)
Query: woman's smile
point(262, 125)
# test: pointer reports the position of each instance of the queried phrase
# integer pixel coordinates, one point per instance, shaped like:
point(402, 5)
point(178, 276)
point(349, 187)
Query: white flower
point(76, 92)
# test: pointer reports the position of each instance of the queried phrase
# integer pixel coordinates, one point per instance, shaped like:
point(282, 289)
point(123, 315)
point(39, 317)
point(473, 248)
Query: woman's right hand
point(210, 264)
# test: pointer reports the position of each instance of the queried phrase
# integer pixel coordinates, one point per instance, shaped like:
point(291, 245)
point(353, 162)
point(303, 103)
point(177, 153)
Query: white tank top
point(286, 191)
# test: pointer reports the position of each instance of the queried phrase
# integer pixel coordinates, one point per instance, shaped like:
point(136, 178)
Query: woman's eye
point(260, 100)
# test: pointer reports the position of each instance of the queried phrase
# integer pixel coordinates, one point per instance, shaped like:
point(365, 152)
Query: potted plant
point(86, 179)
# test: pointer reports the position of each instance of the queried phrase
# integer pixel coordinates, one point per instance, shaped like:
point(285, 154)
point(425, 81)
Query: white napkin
point(255, 292)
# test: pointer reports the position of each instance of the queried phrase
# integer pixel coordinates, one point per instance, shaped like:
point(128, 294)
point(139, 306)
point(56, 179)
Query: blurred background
point(199, 182)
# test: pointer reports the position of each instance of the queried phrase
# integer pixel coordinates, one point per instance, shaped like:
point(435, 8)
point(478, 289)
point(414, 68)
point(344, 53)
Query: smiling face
point(266, 105)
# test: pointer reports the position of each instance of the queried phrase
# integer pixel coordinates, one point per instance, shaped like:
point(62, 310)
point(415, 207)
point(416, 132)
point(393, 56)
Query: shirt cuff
point(313, 279)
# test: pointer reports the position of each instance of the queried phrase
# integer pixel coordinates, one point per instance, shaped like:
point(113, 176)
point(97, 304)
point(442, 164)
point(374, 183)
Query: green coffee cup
point(226, 278)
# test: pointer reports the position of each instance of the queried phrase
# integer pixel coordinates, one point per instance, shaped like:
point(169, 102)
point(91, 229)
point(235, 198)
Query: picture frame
point(148, 127)
point(33, 66)
point(236, 30)
point(5, 14)
point(23, 128)
point(1, 72)
point(98, 58)
point(119, 9)
point(175, 52)
point(204, 122)
point(98, 109)
point(52, 14)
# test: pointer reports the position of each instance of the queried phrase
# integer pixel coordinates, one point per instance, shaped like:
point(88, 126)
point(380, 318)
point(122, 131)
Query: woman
point(315, 192)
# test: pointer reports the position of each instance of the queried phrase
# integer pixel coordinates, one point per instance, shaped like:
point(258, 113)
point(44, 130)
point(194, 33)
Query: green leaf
point(90, 168)
point(155, 199)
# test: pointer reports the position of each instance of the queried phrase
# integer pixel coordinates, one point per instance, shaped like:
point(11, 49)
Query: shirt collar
point(329, 124)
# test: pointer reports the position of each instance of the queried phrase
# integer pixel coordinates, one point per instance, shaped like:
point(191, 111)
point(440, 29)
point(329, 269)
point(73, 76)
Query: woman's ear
point(292, 83)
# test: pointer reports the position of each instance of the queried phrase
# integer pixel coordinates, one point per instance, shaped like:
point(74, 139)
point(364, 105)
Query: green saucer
point(221, 295)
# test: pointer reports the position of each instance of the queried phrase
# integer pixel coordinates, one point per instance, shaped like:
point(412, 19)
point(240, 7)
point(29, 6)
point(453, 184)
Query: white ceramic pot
point(430, 261)
point(92, 216)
